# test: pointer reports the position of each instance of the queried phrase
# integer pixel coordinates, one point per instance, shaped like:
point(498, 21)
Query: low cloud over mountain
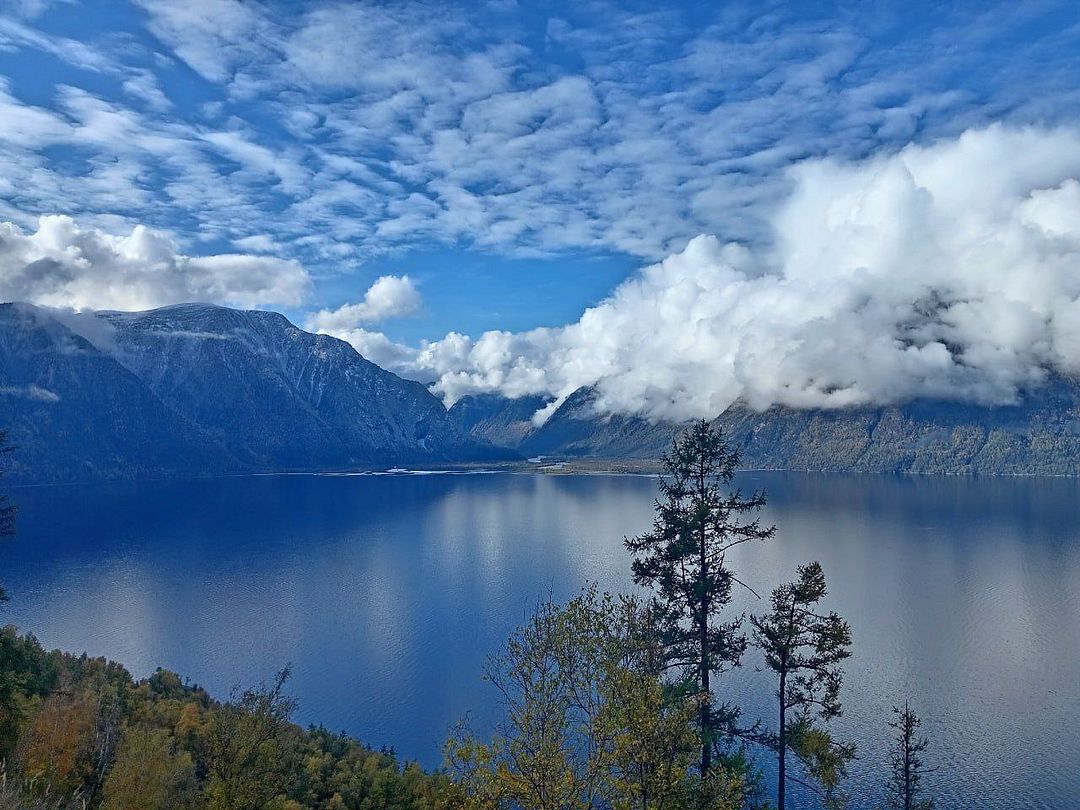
point(950, 270)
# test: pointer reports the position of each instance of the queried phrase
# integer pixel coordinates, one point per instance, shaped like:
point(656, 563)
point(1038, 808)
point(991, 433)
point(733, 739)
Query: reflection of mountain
point(198, 389)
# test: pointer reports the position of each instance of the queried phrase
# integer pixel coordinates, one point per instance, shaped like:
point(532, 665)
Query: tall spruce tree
point(698, 519)
point(907, 767)
point(805, 649)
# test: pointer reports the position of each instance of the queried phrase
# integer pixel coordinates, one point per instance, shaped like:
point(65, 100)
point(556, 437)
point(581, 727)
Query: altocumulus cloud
point(947, 270)
point(64, 265)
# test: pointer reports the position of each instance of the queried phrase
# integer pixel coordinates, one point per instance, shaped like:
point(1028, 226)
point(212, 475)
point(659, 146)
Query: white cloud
point(336, 132)
point(64, 265)
point(211, 36)
point(388, 297)
point(31, 391)
point(950, 270)
point(13, 33)
point(382, 351)
point(143, 84)
point(258, 243)
point(240, 149)
point(662, 128)
point(385, 126)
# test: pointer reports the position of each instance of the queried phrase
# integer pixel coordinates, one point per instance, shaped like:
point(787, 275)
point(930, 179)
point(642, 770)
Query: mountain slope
point(574, 430)
point(1038, 436)
point(495, 419)
point(199, 389)
point(196, 389)
point(577, 430)
point(281, 398)
point(74, 412)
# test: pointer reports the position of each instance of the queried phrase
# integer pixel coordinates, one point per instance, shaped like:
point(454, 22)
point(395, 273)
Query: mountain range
point(574, 430)
point(1038, 435)
point(197, 389)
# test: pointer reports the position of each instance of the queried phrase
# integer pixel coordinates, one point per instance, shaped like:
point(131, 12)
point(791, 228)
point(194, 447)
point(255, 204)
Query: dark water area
point(387, 593)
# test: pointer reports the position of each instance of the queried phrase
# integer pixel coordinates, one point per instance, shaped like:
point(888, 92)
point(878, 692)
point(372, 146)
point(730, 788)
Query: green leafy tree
point(698, 520)
point(247, 750)
point(805, 648)
point(907, 767)
point(149, 773)
point(589, 721)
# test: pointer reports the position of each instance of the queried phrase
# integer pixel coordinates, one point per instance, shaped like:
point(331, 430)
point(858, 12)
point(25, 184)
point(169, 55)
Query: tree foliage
point(805, 649)
point(247, 747)
point(84, 734)
point(589, 721)
point(151, 772)
point(907, 768)
point(698, 520)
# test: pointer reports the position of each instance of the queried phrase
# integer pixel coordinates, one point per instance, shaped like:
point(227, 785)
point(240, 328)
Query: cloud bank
point(64, 265)
point(947, 270)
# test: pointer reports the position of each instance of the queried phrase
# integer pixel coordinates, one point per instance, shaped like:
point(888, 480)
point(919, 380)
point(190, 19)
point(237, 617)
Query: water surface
point(386, 593)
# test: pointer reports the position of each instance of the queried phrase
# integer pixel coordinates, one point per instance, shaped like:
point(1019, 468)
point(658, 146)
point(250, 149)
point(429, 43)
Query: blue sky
point(517, 161)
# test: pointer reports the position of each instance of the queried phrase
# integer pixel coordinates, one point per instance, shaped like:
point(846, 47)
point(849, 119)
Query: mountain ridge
point(201, 389)
point(1039, 435)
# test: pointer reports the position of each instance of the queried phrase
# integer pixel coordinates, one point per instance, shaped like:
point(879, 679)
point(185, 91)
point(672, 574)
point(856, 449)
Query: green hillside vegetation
point(80, 732)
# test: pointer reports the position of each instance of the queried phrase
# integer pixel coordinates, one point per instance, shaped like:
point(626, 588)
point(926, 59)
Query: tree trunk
point(706, 741)
point(781, 762)
point(703, 634)
point(907, 762)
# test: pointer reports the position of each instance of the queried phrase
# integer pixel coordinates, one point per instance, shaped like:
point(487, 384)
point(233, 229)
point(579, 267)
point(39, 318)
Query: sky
point(682, 204)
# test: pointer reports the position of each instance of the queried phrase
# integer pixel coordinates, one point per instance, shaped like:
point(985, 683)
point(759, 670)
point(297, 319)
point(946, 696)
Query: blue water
point(387, 593)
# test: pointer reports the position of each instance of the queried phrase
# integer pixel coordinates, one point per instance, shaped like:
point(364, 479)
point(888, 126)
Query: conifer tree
point(698, 519)
point(907, 766)
point(805, 649)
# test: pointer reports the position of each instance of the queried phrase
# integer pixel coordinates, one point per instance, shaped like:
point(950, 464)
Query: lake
point(387, 592)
